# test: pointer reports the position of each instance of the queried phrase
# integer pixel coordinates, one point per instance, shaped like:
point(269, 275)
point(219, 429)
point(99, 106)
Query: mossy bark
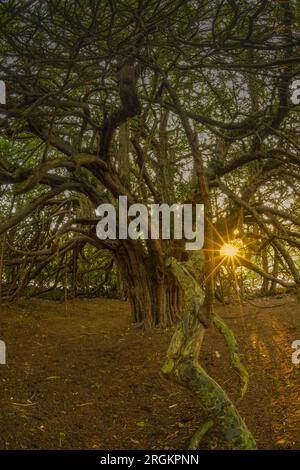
point(182, 365)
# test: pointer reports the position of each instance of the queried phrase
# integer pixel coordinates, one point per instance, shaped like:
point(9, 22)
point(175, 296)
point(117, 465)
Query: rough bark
point(265, 282)
point(154, 294)
point(123, 153)
point(274, 274)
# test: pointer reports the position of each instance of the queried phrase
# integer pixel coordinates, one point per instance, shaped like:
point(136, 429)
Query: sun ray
point(215, 230)
point(212, 272)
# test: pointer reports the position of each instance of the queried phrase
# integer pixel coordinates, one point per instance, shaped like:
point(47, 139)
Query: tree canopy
point(159, 101)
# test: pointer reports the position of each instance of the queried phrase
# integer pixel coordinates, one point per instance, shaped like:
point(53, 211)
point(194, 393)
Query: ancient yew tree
point(164, 102)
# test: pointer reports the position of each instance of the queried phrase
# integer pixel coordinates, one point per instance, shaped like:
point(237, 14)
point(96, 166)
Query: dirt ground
point(83, 377)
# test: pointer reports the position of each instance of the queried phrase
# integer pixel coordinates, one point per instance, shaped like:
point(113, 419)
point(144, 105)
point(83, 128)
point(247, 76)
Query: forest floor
point(82, 376)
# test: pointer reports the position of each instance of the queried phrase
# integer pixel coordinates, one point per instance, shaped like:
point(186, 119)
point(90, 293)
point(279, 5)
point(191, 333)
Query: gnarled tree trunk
point(154, 293)
point(182, 366)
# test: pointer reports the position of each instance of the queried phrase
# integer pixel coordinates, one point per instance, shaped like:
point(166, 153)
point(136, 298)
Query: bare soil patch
point(83, 377)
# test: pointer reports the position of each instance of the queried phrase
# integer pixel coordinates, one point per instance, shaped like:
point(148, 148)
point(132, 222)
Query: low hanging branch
point(261, 223)
point(38, 202)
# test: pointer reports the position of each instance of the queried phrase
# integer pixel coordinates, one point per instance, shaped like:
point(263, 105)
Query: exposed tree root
point(232, 346)
point(197, 437)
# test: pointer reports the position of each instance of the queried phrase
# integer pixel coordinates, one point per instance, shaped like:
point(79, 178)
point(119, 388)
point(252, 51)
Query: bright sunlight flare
point(229, 250)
